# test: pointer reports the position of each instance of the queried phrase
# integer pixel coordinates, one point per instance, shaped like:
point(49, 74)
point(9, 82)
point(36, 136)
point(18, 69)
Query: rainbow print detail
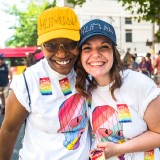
point(65, 86)
point(149, 155)
point(90, 101)
point(45, 86)
point(123, 113)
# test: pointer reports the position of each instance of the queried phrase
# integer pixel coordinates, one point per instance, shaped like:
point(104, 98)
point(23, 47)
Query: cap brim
point(94, 34)
point(61, 33)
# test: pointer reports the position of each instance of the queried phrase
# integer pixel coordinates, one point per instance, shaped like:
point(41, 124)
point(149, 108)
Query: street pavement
point(18, 143)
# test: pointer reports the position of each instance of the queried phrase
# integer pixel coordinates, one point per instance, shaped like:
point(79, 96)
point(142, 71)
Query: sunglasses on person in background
point(54, 47)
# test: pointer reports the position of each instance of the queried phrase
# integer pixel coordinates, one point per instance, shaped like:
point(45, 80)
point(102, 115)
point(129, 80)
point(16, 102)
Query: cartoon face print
point(73, 119)
point(106, 125)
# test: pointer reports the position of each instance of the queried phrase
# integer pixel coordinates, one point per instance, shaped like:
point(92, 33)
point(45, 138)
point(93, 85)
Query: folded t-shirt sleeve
point(20, 90)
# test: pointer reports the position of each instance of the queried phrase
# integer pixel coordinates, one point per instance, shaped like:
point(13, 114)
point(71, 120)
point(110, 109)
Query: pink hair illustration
point(73, 120)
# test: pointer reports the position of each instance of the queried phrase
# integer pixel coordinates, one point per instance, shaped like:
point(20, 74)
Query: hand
point(110, 149)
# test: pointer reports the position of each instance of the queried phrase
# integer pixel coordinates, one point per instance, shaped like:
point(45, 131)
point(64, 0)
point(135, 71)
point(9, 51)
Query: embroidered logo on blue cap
point(97, 27)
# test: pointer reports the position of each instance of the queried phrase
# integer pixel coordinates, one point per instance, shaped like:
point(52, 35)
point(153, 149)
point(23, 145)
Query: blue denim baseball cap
point(97, 27)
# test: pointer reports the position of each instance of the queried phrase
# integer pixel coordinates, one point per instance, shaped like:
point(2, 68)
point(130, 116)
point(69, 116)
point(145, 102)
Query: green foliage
point(26, 26)
point(157, 36)
point(26, 21)
point(76, 2)
point(148, 10)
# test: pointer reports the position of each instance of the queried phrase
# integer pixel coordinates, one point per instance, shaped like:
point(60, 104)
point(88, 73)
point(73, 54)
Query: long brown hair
point(85, 83)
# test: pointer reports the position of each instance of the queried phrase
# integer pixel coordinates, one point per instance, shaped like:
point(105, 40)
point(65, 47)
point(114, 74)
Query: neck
point(103, 81)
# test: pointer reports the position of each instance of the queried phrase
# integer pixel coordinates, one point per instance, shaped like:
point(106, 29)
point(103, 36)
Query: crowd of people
point(81, 98)
point(148, 65)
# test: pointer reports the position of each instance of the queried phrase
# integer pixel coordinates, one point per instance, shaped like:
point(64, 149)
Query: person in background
point(124, 104)
point(144, 67)
point(157, 67)
point(134, 64)
point(148, 58)
point(45, 97)
point(127, 58)
point(5, 79)
point(33, 58)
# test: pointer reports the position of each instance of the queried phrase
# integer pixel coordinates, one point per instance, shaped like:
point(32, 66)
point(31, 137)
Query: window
point(128, 20)
point(128, 35)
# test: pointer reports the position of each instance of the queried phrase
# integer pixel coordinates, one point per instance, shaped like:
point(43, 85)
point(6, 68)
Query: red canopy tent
point(17, 52)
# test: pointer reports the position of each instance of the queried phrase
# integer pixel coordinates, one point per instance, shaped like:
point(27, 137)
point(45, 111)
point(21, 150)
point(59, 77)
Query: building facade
point(130, 34)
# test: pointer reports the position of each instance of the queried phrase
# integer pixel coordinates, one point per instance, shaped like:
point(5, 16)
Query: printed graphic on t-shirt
point(149, 155)
point(45, 86)
point(73, 119)
point(106, 125)
point(123, 113)
point(90, 101)
point(65, 86)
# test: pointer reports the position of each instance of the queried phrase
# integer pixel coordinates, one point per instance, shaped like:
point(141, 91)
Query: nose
point(95, 53)
point(61, 53)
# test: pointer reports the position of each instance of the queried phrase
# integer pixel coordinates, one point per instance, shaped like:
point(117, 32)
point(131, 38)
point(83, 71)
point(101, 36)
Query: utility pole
point(153, 38)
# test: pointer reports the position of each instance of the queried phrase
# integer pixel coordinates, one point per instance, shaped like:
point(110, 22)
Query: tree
point(76, 2)
point(148, 10)
point(26, 26)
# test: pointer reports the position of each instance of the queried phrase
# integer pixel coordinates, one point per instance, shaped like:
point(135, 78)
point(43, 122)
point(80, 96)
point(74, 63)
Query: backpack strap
point(27, 89)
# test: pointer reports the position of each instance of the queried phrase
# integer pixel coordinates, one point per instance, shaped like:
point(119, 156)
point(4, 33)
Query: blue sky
point(7, 21)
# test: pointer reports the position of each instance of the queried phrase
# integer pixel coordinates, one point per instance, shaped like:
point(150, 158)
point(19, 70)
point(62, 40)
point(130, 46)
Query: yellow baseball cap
point(58, 22)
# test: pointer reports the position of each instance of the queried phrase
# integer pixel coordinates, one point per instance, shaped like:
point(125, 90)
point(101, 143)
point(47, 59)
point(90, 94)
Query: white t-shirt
point(57, 126)
point(118, 121)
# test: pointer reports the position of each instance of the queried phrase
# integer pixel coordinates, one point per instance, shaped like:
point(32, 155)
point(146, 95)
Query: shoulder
point(6, 66)
point(138, 88)
point(136, 79)
point(36, 69)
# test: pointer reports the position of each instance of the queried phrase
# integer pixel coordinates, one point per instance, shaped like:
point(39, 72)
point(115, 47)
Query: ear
point(42, 48)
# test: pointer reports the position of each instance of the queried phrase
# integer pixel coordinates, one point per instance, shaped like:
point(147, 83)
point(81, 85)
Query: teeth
point(96, 63)
point(62, 62)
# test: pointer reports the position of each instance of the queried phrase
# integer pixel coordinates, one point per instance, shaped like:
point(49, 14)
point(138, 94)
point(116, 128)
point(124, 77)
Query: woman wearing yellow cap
point(56, 115)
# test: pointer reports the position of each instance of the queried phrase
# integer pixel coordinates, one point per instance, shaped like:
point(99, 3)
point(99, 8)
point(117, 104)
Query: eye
point(71, 45)
point(119, 133)
point(86, 48)
point(105, 46)
point(50, 45)
point(75, 122)
point(104, 132)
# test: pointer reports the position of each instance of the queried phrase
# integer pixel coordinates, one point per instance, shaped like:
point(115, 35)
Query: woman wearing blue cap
point(125, 104)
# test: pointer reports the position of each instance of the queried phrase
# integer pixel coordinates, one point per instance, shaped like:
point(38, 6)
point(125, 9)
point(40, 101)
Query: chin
point(64, 72)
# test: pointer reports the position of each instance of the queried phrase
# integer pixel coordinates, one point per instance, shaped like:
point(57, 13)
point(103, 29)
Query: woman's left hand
point(110, 149)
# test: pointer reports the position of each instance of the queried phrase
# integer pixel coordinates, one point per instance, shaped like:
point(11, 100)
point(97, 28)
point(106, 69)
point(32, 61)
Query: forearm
point(144, 142)
point(7, 142)
point(141, 143)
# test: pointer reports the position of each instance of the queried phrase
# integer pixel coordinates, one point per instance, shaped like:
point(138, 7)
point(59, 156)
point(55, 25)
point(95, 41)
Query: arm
point(146, 141)
point(155, 63)
point(14, 117)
